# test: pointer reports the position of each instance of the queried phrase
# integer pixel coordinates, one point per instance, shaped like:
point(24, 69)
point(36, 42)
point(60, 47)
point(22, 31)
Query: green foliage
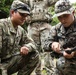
point(25, 26)
point(74, 4)
point(5, 6)
point(54, 21)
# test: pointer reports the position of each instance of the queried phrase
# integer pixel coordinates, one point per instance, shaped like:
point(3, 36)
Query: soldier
point(63, 37)
point(17, 51)
point(38, 30)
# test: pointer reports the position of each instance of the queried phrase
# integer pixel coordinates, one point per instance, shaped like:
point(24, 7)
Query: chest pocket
point(7, 44)
point(67, 40)
point(61, 38)
point(72, 38)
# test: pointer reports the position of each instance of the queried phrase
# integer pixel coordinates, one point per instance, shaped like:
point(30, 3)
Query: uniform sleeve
point(43, 36)
point(28, 42)
point(51, 38)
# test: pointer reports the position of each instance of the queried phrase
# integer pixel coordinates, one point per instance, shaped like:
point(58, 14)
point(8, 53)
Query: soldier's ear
point(12, 12)
point(74, 12)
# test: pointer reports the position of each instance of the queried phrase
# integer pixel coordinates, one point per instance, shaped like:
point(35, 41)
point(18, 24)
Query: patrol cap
point(20, 7)
point(63, 7)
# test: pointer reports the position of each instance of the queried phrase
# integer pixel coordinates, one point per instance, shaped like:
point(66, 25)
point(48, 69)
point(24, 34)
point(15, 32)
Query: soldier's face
point(66, 19)
point(19, 18)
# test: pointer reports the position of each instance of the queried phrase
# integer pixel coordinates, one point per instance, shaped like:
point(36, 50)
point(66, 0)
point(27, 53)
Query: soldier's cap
point(20, 7)
point(63, 7)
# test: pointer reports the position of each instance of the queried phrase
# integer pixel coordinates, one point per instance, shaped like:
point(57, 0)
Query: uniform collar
point(70, 29)
point(11, 27)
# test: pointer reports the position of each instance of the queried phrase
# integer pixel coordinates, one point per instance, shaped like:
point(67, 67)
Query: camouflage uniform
point(39, 24)
point(59, 34)
point(58, 31)
point(38, 30)
point(11, 40)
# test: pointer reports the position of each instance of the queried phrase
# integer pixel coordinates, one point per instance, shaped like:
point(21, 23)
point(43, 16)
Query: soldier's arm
point(28, 42)
point(44, 34)
point(50, 39)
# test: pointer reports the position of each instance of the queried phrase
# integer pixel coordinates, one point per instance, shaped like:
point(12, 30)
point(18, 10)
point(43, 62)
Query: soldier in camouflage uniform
point(63, 37)
point(38, 30)
point(17, 51)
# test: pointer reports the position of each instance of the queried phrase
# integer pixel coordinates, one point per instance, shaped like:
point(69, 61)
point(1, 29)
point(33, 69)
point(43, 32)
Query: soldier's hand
point(56, 47)
point(24, 50)
point(66, 55)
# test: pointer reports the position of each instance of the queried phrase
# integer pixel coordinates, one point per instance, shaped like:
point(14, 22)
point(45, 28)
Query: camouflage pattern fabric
point(39, 31)
point(12, 40)
point(63, 7)
point(58, 33)
point(39, 26)
point(66, 66)
point(39, 10)
point(20, 7)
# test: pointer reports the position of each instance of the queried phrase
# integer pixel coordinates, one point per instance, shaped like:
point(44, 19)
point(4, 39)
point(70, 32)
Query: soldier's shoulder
point(2, 22)
point(49, 26)
point(21, 29)
point(57, 26)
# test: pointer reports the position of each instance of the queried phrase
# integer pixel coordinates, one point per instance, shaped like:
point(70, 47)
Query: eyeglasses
point(22, 14)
